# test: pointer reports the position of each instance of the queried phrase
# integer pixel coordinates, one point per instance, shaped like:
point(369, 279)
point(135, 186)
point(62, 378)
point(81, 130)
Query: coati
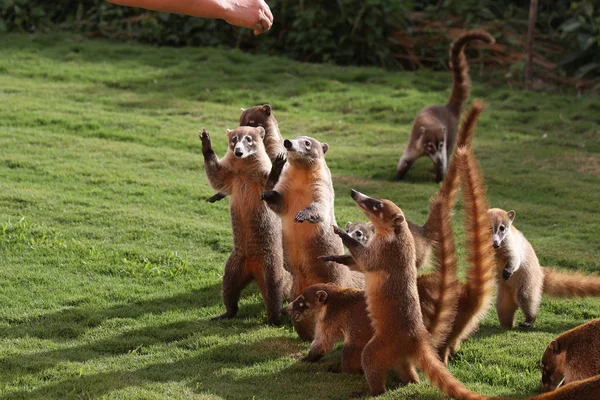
point(260, 116)
point(257, 254)
point(521, 280)
point(572, 356)
point(339, 313)
point(303, 197)
point(434, 129)
point(358, 230)
point(588, 389)
point(401, 341)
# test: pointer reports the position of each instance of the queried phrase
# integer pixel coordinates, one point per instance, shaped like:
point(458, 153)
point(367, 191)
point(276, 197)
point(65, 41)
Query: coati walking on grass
point(260, 116)
point(401, 341)
point(521, 279)
point(434, 129)
point(257, 254)
point(303, 197)
point(572, 356)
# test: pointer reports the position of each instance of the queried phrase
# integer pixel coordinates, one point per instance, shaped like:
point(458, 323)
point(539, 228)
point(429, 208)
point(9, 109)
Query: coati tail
point(570, 284)
point(480, 284)
point(439, 376)
point(460, 68)
point(446, 261)
point(451, 182)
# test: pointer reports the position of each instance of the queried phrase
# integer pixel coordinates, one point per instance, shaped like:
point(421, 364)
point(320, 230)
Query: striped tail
point(460, 68)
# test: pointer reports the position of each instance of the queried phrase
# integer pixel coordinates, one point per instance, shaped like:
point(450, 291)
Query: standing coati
point(303, 197)
point(400, 341)
point(588, 389)
point(434, 130)
point(521, 279)
point(260, 116)
point(573, 356)
point(257, 253)
point(341, 313)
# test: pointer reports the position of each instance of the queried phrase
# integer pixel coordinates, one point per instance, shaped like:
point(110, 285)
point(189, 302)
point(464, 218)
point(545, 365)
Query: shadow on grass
point(71, 323)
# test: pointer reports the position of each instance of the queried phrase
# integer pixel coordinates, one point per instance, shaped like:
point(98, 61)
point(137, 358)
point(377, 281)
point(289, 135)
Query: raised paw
point(216, 197)
point(205, 139)
point(338, 231)
point(280, 159)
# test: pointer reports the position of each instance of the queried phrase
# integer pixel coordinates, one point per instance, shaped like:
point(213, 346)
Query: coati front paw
point(222, 317)
point(205, 139)
point(307, 216)
point(216, 197)
point(525, 324)
point(338, 231)
point(268, 196)
point(506, 274)
point(280, 159)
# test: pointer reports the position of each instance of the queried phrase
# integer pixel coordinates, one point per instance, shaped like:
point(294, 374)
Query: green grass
point(110, 260)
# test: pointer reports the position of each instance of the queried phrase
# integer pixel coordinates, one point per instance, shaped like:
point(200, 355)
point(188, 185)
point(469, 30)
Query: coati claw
point(280, 159)
point(216, 197)
point(338, 231)
point(205, 138)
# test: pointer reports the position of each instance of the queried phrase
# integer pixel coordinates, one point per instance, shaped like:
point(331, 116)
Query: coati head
point(552, 360)
point(304, 151)
point(383, 214)
point(256, 116)
point(312, 300)
point(433, 141)
point(246, 141)
point(500, 222)
point(360, 231)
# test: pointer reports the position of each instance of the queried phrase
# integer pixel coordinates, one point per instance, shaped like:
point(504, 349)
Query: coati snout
point(382, 213)
point(551, 377)
point(243, 141)
point(307, 304)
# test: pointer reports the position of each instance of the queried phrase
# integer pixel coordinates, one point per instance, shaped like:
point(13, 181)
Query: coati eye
point(307, 144)
point(502, 228)
point(441, 145)
point(234, 139)
point(248, 139)
point(358, 233)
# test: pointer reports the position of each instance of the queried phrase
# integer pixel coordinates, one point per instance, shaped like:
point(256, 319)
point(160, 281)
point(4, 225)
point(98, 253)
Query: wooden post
point(529, 60)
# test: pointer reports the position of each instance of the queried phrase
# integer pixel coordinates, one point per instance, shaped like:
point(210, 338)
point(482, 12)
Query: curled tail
point(460, 68)
point(446, 261)
point(570, 284)
point(477, 293)
point(439, 376)
point(451, 182)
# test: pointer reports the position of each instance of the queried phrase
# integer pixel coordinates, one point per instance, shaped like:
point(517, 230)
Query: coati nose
point(496, 245)
point(287, 144)
point(353, 193)
point(238, 153)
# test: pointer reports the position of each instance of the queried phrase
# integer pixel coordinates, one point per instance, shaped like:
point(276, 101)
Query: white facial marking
point(381, 215)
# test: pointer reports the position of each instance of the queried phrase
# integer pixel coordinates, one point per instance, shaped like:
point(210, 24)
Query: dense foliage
point(359, 32)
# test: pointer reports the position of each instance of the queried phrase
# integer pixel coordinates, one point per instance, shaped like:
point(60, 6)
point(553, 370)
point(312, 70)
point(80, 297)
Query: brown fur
point(574, 355)
point(260, 116)
point(400, 341)
point(588, 389)
point(520, 278)
point(340, 314)
point(434, 129)
point(257, 253)
point(303, 197)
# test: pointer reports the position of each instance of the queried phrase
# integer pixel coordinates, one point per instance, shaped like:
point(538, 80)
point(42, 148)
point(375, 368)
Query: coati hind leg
point(270, 282)
point(529, 302)
point(235, 279)
point(407, 372)
point(506, 306)
point(351, 355)
point(378, 358)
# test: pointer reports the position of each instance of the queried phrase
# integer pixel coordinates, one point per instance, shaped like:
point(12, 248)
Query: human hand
point(253, 14)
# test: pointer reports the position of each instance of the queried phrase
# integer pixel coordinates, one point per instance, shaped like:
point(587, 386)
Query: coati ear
point(397, 221)
point(261, 131)
point(322, 296)
point(325, 147)
point(348, 225)
point(242, 109)
point(511, 215)
point(228, 131)
point(555, 347)
point(267, 109)
point(372, 228)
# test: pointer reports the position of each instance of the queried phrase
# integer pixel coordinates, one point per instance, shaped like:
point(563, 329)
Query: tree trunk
point(529, 61)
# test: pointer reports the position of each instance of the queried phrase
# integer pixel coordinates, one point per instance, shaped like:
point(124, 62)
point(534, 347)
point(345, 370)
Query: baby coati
point(588, 389)
point(400, 341)
point(260, 116)
point(521, 279)
point(339, 313)
point(303, 197)
point(573, 356)
point(257, 254)
point(434, 130)
point(359, 231)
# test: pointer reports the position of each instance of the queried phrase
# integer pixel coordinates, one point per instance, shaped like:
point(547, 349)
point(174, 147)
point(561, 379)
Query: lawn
point(111, 261)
